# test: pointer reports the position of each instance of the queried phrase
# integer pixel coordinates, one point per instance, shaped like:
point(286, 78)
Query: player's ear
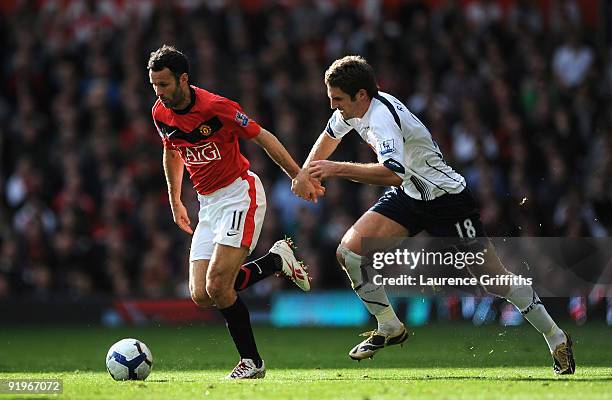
point(184, 78)
point(362, 94)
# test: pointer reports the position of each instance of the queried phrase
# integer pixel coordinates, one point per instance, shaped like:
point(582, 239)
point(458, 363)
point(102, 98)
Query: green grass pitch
point(450, 361)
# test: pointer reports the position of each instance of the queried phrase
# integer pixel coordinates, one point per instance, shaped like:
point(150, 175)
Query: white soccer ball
point(129, 359)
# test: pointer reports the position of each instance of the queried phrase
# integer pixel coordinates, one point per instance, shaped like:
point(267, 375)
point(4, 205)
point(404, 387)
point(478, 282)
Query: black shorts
point(450, 215)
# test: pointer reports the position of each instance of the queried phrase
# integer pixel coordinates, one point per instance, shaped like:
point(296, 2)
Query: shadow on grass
point(552, 380)
point(205, 348)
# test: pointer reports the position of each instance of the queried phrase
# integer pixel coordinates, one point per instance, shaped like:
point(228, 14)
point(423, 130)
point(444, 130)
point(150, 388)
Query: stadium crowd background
point(516, 92)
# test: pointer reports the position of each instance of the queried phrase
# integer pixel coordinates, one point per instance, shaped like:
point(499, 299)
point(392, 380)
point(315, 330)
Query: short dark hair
point(168, 57)
point(350, 74)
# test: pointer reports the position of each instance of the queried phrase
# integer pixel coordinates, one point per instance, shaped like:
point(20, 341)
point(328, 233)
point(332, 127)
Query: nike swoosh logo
point(172, 133)
point(371, 347)
point(232, 233)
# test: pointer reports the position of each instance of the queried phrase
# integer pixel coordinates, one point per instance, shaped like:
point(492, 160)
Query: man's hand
point(179, 213)
point(322, 169)
point(306, 187)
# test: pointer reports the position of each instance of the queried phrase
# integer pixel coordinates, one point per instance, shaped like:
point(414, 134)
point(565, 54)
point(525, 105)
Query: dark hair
point(350, 74)
point(168, 57)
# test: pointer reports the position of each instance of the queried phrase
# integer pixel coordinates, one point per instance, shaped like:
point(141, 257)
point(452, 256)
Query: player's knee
point(339, 256)
point(217, 289)
point(351, 263)
point(345, 254)
point(201, 298)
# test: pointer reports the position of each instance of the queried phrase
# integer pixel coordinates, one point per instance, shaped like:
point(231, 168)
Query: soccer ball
point(129, 359)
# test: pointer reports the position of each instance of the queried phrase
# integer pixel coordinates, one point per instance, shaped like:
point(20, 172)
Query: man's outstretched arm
point(281, 156)
point(373, 174)
point(277, 152)
point(322, 149)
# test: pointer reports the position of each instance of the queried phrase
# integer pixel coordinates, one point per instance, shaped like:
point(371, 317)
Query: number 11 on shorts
point(236, 221)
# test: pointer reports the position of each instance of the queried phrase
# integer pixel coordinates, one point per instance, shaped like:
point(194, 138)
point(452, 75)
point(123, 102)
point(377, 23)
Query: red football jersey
point(206, 136)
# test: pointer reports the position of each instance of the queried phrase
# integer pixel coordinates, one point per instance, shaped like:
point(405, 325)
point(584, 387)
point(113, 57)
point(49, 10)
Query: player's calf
point(529, 304)
point(373, 296)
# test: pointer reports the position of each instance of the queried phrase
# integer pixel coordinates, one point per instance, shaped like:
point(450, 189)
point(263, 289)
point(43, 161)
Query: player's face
point(349, 108)
point(166, 88)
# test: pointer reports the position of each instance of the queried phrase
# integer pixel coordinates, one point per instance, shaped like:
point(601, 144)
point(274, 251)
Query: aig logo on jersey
point(205, 130)
point(386, 147)
point(242, 119)
point(201, 154)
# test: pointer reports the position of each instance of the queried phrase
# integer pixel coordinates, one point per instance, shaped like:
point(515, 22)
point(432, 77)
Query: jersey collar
point(366, 116)
point(190, 105)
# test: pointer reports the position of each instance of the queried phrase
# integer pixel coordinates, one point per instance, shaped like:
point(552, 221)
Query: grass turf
point(438, 361)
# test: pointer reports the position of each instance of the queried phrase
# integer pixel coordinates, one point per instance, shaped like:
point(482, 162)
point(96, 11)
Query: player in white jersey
point(403, 145)
point(426, 195)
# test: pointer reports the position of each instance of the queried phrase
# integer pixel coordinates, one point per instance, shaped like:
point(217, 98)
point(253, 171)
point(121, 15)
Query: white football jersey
point(404, 145)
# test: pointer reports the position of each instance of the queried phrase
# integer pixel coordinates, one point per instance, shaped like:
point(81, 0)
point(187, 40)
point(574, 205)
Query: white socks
point(373, 296)
point(529, 304)
point(554, 338)
point(388, 323)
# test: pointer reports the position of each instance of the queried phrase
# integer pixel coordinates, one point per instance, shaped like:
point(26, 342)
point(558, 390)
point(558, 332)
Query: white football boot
point(375, 342)
point(246, 369)
point(292, 268)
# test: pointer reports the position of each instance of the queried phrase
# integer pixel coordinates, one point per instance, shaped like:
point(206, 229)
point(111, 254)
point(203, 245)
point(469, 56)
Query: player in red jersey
point(200, 131)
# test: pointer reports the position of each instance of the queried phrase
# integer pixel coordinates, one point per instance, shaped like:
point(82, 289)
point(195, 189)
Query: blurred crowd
point(516, 92)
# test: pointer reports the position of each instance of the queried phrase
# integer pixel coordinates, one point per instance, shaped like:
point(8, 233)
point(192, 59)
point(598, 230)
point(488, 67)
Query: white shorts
point(232, 216)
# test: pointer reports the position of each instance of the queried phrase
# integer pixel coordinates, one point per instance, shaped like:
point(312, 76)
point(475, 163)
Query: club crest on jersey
point(242, 119)
point(386, 147)
point(205, 130)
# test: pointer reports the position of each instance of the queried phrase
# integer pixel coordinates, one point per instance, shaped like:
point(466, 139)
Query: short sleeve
point(389, 145)
point(164, 138)
point(234, 118)
point(337, 127)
